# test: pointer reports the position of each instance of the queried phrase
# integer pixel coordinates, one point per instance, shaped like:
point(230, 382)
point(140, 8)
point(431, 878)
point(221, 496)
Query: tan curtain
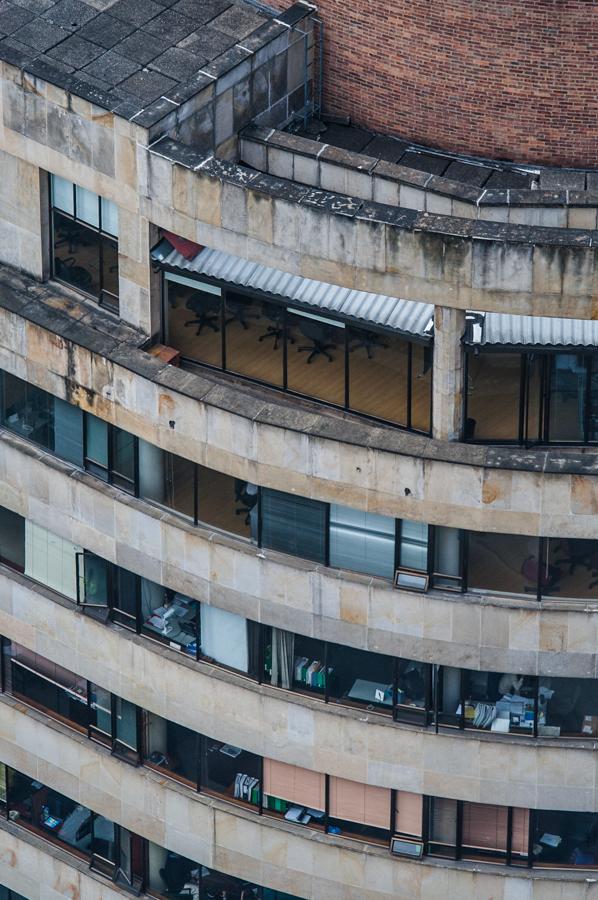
point(485, 826)
point(361, 803)
point(294, 784)
point(409, 813)
point(520, 832)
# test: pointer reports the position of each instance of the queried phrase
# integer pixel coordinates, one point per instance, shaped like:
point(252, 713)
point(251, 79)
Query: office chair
point(368, 340)
point(207, 312)
point(320, 336)
point(275, 314)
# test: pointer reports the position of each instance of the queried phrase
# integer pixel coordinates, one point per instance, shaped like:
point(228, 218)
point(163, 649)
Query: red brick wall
point(513, 80)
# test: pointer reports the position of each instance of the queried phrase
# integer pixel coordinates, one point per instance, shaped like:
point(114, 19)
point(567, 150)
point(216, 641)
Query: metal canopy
point(500, 329)
point(405, 316)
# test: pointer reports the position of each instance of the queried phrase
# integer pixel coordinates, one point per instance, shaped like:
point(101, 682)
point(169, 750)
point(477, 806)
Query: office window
point(493, 392)
point(520, 836)
point(110, 453)
point(567, 397)
point(359, 810)
point(224, 637)
point(442, 828)
point(172, 748)
point(167, 479)
point(27, 411)
point(569, 568)
point(227, 503)
point(484, 831)
point(231, 772)
point(114, 722)
point(51, 560)
point(409, 812)
point(413, 690)
point(564, 839)
point(360, 678)
point(295, 793)
point(193, 318)
point(447, 558)
point(85, 241)
point(310, 671)
point(568, 707)
point(170, 617)
point(362, 541)
point(499, 702)
point(506, 563)
point(294, 525)
point(12, 539)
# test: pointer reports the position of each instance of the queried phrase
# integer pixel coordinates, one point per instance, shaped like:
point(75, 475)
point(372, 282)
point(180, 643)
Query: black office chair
point(368, 340)
point(275, 314)
point(240, 310)
point(320, 336)
point(67, 270)
point(207, 312)
point(246, 499)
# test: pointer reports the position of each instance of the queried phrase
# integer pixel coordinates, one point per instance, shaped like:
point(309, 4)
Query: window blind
point(294, 784)
point(294, 525)
point(484, 826)
point(224, 637)
point(443, 821)
point(51, 559)
point(362, 541)
point(68, 432)
point(409, 813)
point(520, 832)
point(361, 803)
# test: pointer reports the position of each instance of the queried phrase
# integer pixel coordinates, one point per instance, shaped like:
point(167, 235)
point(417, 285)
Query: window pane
point(48, 813)
point(500, 702)
point(166, 479)
point(316, 361)
point(123, 459)
point(568, 706)
point(294, 525)
point(96, 580)
point(125, 599)
point(443, 827)
point(110, 273)
point(421, 387)
point(104, 839)
point(412, 687)
point(169, 873)
point(231, 772)
point(362, 541)
point(447, 557)
point(378, 374)
point(126, 723)
point(357, 677)
point(12, 539)
point(68, 432)
point(63, 194)
point(88, 207)
point(567, 397)
point(484, 831)
point(28, 411)
point(96, 446)
point(593, 399)
point(50, 559)
point(565, 839)
point(170, 617)
point(506, 563)
point(309, 672)
point(413, 550)
point(46, 685)
point(109, 216)
point(448, 702)
point(224, 637)
point(172, 748)
point(193, 326)
point(101, 709)
point(76, 254)
point(227, 503)
point(246, 352)
point(569, 568)
point(493, 389)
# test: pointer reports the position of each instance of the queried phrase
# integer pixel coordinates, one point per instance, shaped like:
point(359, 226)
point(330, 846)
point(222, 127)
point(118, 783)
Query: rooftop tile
point(13, 17)
point(111, 67)
point(171, 25)
point(41, 35)
point(75, 51)
point(69, 14)
point(208, 10)
point(148, 85)
point(178, 64)
point(238, 21)
point(134, 12)
point(106, 30)
point(142, 46)
point(207, 42)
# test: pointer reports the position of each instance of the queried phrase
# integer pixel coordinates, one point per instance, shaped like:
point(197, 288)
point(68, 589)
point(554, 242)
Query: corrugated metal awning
point(405, 316)
point(500, 329)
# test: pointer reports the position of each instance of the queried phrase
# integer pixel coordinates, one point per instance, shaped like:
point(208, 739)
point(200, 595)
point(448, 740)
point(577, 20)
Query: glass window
point(167, 479)
point(359, 810)
point(170, 617)
point(103, 845)
point(413, 688)
point(51, 560)
point(567, 405)
point(83, 255)
point(442, 827)
point(95, 576)
point(293, 792)
point(493, 396)
point(49, 813)
point(246, 352)
point(227, 503)
point(447, 558)
point(568, 707)
point(100, 713)
point(123, 459)
point(500, 702)
point(224, 637)
point(194, 312)
point(68, 432)
point(45, 685)
point(170, 874)
point(564, 839)
point(421, 387)
point(379, 374)
point(28, 411)
point(126, 598)
point(362, 541)
point(294, 525)
point(12, 539)
point(96, 446)
point(125, 728)
point(231, 772)
point(593, 399)
point(505, 563)
point(309, 666)
point(570, 568)
point(484, 831)
point(357, 677)
point(172, 749)
point(413, 545)
point(316, 360)
point(447, 685)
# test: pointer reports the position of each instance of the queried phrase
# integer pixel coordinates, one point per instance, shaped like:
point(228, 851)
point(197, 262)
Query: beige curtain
point(362, 803)
point(294, 784)
point(409, 813)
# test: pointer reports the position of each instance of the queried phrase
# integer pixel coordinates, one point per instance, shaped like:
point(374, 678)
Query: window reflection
point(499, 702)
point(172, 748)
point(360, 678)
point(570, 567)
point(493, 390)
point(506, 563)
point(231, 772)
point(567, 397)
point(194, 320)
point(565, 839)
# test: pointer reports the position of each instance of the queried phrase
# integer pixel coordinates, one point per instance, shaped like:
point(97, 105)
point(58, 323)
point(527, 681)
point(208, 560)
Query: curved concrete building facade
point(298, 475)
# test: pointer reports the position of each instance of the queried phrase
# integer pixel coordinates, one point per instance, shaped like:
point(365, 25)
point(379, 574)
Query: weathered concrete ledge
point(475, 631)
point(572, 201)
point(77, 352)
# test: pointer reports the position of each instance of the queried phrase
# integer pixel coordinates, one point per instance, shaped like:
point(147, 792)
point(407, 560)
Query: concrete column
point(138, 296)
point(23, 212)
point(448, 372)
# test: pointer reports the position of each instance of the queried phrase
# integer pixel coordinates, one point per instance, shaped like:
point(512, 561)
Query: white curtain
point(51, 559)
point(283, 652)
point(224, 637)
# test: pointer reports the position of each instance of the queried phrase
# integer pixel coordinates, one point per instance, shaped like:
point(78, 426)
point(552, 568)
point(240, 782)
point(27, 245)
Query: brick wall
point(502, 79)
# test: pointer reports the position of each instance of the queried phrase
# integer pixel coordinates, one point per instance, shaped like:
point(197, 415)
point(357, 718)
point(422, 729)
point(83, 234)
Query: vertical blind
point(361, 803)
point(294, 784)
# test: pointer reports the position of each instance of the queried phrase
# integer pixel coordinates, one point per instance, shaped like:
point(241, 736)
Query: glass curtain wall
point(369, 370)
